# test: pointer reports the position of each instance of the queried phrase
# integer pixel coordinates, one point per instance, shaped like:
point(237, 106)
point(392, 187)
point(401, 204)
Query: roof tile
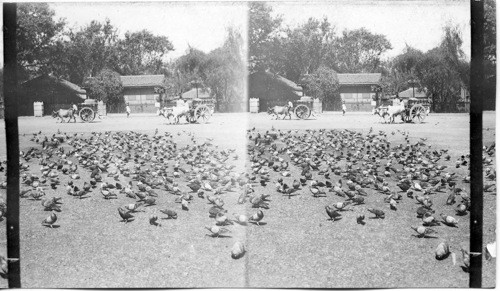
point(142, 80)
point(358, 79)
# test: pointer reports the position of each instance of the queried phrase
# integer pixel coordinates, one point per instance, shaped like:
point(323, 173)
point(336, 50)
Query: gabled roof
point(142, 80)
point(73, 87)
point(288, 83)
point(408, 93)
point(359, 79)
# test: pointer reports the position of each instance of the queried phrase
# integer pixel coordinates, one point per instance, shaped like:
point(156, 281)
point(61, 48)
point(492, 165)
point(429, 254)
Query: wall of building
point(357, 98)
point(140, 100)
point(53, 95)
point(270, 91)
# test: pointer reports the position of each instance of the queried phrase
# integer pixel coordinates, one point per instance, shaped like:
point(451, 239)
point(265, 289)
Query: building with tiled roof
point(272, 89)
point(139, 91)
point(359, 79)
point(357, 91)
point(54, 92)
point(142, 81)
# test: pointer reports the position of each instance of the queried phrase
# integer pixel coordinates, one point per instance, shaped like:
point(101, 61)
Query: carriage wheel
point(302, 111)
point(87, 114)
point(418, 113)
point(202, 113)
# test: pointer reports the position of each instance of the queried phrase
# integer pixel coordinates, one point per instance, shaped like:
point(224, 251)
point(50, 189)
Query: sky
point(416, 23)
point(203, 24)
point(198, 24)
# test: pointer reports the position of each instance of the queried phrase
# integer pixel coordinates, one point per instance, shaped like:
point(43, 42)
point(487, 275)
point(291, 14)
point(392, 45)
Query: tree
point(401, 71)
point(444, 71)
point(226, 72)
point(106, 86)
point(190, 68)
point(36, 35)
point(262, 30)
point(490, 54)
point(142, 52)
point(323, 84)
point(357, 51)
point(301, 50)
point(87, 51)
point(490, 38)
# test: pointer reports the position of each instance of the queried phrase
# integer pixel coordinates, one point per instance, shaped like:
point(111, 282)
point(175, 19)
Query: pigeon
point(257, 217)
point(378, 213)
point(4, 271)
point(238, 250)
point(360, 219)
point(51, 204)
point(449, 220)
point(216, 231)
point(153, 220)
point(332, 213)
point(240, 219)
point(125, 214)
point(442, 251)
point(466, 258)
point(423, 231)
point(341, 205)
point(50, 220)
point(170, 213)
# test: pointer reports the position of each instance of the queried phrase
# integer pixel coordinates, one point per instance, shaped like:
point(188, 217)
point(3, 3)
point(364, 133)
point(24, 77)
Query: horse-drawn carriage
point(197, 110)
point(87, 111)
point(414, 109)
point(302, 109)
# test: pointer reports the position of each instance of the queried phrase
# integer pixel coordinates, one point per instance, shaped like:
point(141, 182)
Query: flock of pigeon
point(355, 166)
point(134, 169)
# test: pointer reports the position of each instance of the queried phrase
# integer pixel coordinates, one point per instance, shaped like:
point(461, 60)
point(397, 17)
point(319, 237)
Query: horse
point(61, 113)
point(176, 112)
point(277, 110)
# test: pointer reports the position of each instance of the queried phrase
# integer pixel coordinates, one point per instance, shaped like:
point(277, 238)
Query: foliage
point(106, 86)
point(88, 51)
point(322, 84)
point(490, 54)
point(443, 71)
point(357, 51)
point(401, 72)
point(490, 30)
point(226, 72)
point(302, 48)
point(36, 35)
point(262, 30)
point(141, 52)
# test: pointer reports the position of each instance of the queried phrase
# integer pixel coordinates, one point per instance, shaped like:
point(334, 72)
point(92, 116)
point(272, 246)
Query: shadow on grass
point(425, 236)
point(258, 223)
point(219, 236)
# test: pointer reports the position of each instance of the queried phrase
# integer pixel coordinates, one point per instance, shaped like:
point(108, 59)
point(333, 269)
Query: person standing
point(157, 105)
point(374, 103)
point(128, 110)
point(344, 108)
point(75, 110)
point(290, 106)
